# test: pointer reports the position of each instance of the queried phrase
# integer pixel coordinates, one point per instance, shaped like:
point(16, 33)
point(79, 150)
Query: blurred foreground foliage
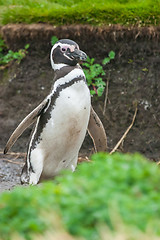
point(98, 194)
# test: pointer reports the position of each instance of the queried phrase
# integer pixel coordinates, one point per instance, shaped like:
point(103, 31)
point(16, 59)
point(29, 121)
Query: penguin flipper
point(97, 132)
point(26, 122)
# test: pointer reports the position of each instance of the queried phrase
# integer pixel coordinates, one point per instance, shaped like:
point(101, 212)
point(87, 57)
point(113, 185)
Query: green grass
point(97, 12)
point(111, 191)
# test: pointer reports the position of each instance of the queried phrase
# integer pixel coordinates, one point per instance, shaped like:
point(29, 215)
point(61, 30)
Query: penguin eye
point(63, 49)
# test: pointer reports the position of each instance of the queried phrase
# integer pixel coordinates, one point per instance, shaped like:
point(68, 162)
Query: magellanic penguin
point(61, 119)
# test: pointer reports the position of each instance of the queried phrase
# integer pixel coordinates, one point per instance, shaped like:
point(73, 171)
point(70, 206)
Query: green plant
point(54, 39)
point(97, 194)
point(6, 56)
point(94, 73)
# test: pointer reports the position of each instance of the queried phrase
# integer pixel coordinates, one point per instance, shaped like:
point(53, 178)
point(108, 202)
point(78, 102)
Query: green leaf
point(54, 39)
point(92, 92)
point(111, 55)
point(98, 80)
point(145, 69)
point(27, 46)
point(100, 91)
point(91, 61)
point(86, 64)
point(105, 61)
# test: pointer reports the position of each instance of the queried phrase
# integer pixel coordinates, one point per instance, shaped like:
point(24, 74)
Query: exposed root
point(126, 132)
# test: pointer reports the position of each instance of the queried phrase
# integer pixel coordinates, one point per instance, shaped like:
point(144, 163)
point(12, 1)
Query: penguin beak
point(79, 55)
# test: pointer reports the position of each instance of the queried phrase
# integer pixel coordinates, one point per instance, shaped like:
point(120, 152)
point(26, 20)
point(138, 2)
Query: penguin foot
point(24, 178)
point(34, 178)
point(24, 175)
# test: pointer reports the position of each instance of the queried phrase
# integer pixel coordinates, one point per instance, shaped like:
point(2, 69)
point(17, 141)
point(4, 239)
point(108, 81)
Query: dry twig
point(10, 161)
point(126, 132)
point(83, 159)
point(18, 154)
point(106, 97)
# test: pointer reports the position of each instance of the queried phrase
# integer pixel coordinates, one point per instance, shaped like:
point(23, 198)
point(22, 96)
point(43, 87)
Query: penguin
point(61, 119)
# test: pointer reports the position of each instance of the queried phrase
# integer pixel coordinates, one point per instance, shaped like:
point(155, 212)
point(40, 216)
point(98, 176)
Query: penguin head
point(66, 52)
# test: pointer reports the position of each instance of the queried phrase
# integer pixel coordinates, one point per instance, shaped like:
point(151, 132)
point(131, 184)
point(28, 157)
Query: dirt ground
point(133, 77)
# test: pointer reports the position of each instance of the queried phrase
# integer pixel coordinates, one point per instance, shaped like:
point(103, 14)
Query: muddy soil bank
point(134, 76)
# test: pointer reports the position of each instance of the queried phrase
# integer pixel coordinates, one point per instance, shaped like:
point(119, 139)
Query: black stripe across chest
point(46, 115)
